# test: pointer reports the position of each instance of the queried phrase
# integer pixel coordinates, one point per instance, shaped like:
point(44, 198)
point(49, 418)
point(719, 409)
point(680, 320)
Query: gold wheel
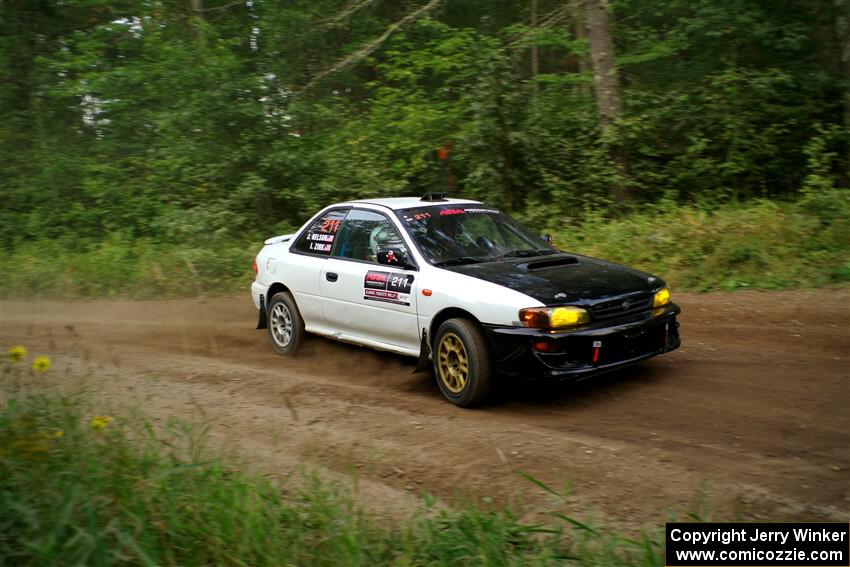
point(452, 363)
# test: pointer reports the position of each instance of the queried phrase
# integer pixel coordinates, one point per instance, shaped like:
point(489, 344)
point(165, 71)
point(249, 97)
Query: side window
point(363, 233)
point(320, 236)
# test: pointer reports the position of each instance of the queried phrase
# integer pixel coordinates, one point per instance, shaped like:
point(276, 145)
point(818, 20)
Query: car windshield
point(469, 233)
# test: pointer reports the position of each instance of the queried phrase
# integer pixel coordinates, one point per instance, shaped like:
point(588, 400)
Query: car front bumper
point(586, 351)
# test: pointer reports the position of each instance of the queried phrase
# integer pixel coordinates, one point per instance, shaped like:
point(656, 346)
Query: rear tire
point(286, 327)
point(462, 363)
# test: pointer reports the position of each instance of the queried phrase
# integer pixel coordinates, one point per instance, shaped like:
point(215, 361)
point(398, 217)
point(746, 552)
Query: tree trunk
point(576, 10)
point(842, 32)
point(535, 52)
point(197, 7)
point(605, 80)
point(606, 87)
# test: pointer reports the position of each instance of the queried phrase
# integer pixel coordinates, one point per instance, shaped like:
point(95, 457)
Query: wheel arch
point(443, 316)
point(276, 287)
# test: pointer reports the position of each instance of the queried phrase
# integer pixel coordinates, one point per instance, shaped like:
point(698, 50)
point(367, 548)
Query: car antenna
point(432, 196)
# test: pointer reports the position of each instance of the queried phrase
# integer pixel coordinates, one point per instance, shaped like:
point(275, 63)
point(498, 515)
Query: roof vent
point(432, 197)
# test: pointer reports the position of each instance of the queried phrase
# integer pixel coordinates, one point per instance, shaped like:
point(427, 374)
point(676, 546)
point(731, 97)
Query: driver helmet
point(383, 237)
point(449, 228)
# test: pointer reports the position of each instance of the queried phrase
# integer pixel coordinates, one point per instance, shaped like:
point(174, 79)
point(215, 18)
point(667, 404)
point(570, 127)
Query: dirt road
point(749, 419)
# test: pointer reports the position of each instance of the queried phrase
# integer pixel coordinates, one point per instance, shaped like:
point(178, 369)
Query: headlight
point(553, 317)
point(662, 297)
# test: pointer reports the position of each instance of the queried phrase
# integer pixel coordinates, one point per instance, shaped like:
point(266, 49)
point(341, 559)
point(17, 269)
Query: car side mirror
point(395, 257)
point(547, 238)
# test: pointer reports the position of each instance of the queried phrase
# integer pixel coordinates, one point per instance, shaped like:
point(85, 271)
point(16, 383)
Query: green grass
point(119, 267)
point(766, 244)
point(134, 494)
point(763, 244)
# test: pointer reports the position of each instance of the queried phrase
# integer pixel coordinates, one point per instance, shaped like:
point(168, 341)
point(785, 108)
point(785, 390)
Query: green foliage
point(76, 488)
point(820, 153)
point(144, 120)
point(119, 267)
point(763, 245)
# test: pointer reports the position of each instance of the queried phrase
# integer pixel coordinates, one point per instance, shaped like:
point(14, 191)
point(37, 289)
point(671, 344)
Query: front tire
point(286, 327)
point(462, 363)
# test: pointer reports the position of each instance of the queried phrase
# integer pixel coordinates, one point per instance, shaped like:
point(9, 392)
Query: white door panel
point(366, 300)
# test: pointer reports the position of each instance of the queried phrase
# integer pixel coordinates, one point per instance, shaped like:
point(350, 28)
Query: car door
point(303, 268)
point(365, 300)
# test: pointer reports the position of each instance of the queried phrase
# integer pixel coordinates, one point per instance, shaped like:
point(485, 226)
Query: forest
point(173, 135)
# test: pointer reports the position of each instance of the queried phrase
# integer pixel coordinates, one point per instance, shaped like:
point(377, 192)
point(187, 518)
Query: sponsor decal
point(473, 211)
point(388, 287)
point(425, 216)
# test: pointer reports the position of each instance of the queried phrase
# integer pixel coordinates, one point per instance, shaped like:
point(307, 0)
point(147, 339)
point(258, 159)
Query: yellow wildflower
point(41, 364)
point(16, 353)
point(100, 422)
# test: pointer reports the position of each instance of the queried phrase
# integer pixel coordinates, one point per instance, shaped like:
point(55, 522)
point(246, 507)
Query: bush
point(763, 244)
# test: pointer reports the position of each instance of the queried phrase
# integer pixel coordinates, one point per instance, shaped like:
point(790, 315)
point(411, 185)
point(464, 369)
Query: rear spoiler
point(279, 239)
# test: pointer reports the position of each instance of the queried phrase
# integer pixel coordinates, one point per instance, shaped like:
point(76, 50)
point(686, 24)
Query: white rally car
point(462, 285)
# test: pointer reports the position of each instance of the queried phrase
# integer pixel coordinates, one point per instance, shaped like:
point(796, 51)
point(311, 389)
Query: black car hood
point(562, 278)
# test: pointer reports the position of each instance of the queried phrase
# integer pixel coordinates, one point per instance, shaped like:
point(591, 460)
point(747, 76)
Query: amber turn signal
point(553, 317)
point(534, 318)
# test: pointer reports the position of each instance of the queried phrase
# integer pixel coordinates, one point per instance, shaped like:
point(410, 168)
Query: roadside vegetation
point(81, 486)
point(764, 244)
point(148, 147)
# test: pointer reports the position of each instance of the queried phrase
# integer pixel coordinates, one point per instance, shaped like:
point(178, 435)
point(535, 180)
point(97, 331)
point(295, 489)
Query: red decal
point(330, 225)
point(376, 277)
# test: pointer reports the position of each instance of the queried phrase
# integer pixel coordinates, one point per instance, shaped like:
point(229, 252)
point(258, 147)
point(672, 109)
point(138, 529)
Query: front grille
point(621, 307)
